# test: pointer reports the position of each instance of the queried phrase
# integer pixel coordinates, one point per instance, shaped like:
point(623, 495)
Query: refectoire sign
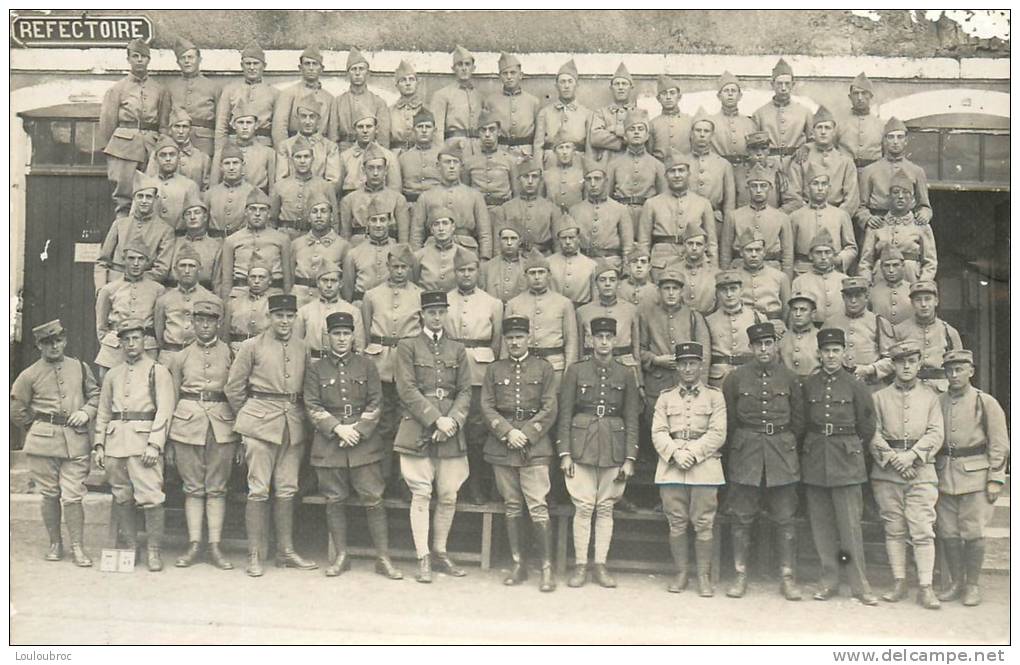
point(80, 31)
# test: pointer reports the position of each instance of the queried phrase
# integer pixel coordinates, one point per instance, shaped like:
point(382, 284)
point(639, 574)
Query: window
point(65, 138)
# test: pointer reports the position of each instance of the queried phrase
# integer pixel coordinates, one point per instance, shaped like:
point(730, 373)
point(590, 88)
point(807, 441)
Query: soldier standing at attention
point(699, 274)
point(564, 115)
point(823, 281)
point(195, 94)
point(607, 231)
point(434, 385)
point(503, 276)
point(727, 327)
point(491, 170)
point(798, 348)
point(259, 159)
point(403, 135)
point(765, 288)
point(638, 288)
point(607, 134)
point(909, 433)
point(597, 443)
point(366, 147)
point(135, 406)
point(198, 240)
point(54, 400)
point(671, 130)
point(310, 324)
point(607, 304)
point(819, 214)
point(457, 106)
point(840, 421)
point(711, 175)
point(325, 160)
point(823, 156)
point(171, 316)
point(758, 154)
point(902, 229)
point(529, 211)
point(860, 133)
point(287, 119)
point(731, 128)
point(890, 295)
point(134, 112)
point(321, 243)
point(516, 110)
point(971, 467)
point(373, 193)
point(518, 403)
point(787, 122)
point(634, 176)
point(932, 335)
point(174, 188)
point(203, 443)
point(264, 389)
point(876, 180)
point(419, 161)
point(467, 204)
point(351, 106)
point(247, 314)
point(765, 410)
point(343, 399)
point(570, 271)
point(868, 335)
point(192, 163)
point(140, 225)
point(563, 177)
point(688, 432)
point(760, 217)
point(365, 263)
point(256, 239)
point(256, 96)
point(226, 199)
point(434, 262)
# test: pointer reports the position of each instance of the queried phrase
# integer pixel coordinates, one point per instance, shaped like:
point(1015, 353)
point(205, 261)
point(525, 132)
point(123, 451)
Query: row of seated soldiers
point(939, 458)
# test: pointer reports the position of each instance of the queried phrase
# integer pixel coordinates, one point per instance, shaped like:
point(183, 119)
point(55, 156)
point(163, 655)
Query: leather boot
point(703, 553)
point(518, 571)
point(926, 598)
point(74, 513)
point(678, 548)
point(600, 574)
point(155, 518)
point(50, 508)
point(543, 538)
point(128, 525)
point(741, 536)
point(255, 518)
point(424, 574)
point(787, 555)
point(336, 522)
point(974, 557)
point(444, 564)
point(579, 577)
point(897, 593)
point(191, 556)
point(286, 557)
point(217, 559)
point(379, 530)
point(953, 549)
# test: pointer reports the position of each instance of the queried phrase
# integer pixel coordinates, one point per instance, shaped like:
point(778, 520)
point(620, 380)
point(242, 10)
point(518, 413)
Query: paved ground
point(56, 603)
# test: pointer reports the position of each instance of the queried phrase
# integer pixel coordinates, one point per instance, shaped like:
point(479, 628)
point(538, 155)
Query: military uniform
point(634, 177)
point(309, 252)
point(824, 286)
point(310, 324)
point(285, 122)
point(469, 212)
point(174, 191)
point(365, 268)
point(246, 313)
point(788, 124)
point(531, 215)
point(503, 278)
point(350, 106)
point(457, 106)
point(639, 294)
point(226, 201)
point(671, 130)
point(731, 128)
point(357, 206)
point(916, 243)
point(765, 289)
point(876, 181)
point(418, 170)
point(259, 163)
point(325, 157)
point(799, 349)
point(891, 300)
point(830, 160)
point(493, 173)
point(150, 230)
point(699, 277)
point(43, 397)
point(192, 162)
point(564, 185)
point(808, 221)
point(517, 111)
point(207, 248)
point(572, 276)
point(607, 231)
point(124, 299)
point(247, 245)
point(774, 227)
point(935, 338)
point(434, 265)
point(627, 351)
point(712, 177)
point(257, 98)
point(403, 113)
point(665, 218)
point(197, 95)
point(868, 338)
point(860, 132)
point(171, 317)
point(564, 118)
point(352, 160)
point(780, 195)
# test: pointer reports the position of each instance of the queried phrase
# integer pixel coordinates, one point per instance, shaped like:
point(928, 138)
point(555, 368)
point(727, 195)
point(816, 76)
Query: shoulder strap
point(152, 384)
point(949, 339)
point(84, 391)
point(694, 325)
point(980, 411)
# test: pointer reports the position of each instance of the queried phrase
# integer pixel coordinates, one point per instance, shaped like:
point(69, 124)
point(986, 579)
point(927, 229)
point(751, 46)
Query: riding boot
point(51, 519)
point(155, 521)
point(256, 515)
point(543, 538)
point(215, 512)
point(741, 541)
point(518, 570)
point(953, 549)
point(974, 556)
point(128, 525)
point(678, 548)
point(194, 511)
point(378, 528)
point(74, 513)
point(336, 521)
point(787, 535)
point(703, 553)
point(286, 557)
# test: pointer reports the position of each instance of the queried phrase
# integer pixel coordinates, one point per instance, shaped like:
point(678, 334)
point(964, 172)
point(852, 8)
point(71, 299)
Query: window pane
point(923, 150)
point(51, 142)
point(996, 158)
point(960, 155)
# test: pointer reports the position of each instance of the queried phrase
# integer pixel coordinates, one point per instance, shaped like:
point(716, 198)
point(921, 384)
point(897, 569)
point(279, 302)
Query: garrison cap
point(727, 277)
point(310, 103)
point(440, 212)
point(831, 336)
point(255, 51)
point(528, 165)
point(130, 325)
point(404, 69)
point(891, 253)
point(516, 324)
point(894, 124)
point(702, 116)
point(958, 356)
point(507, 61)
point(759, 173)
point(187, 253)
point(535, 259)
point(340, 320)
point(562, 137)
point(902, 180)
point(433, 299)
point(802, 295)
point(301, 144)
point(566, 222)
point(823, 239)
point(502, 224)
point(182, 46)
point(464, 257)
point(726, 79)
point(165, 142)
point(622, 73)
point(282, 302)
point(761, 331)
point(453, 149)
point(243, 110)
point(675, 158)
point(373, 151)
point(488, 117)
point(758, 140)
point(635, 117)
point(312, 53)
point(460, 54)
point(603, 324)
point(47, 330)
point(355, 57)
point(591, 165)
point(665, 82)
point(319, 196)
point(143, 181)
point(782, 67)
point(672, 273)
point(377, 206)
point(694, 231)
point(861, 82)
point(256, 197)
point(137, 246)
point(923, 286)
point(211, 308)
point(815, 171)
point(424, 115)
point(750, 236)
point(568, 68)
point(362, 112)
point(179, 115)
point(601, 266)
point(688, 350)
point(822, 115)
point(637, 252)
point(231, 151)
point(907, 347)
point(138, 46)
point(401, 252)
point(325, 267)
point(258, 262)
point(854, 284)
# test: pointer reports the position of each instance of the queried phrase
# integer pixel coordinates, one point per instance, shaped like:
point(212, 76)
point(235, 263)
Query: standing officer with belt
point(972, 470)
point(202, 431)
point(787, 122)
point(765, 409)
point(54, 400)
point(597, 441)
point(727, 327)
point(518, 403)
point(840, 421)
point(343, 398)
point(264, 390)
point(434, 385)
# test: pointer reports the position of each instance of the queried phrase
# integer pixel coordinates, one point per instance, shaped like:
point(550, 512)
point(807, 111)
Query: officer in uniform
point(172, 312)
point(868, 335)
point(195, 94)
point(467, 204)
point(141, 223)
point(530, 212)
point(134, 112)
point(374, 192)
point(365, 263)
point(727, 327)
point(787, 122)
point(343, 398)
point(890, 294)
point(310, 324)
point(766, 288)
point(909, 433)
point(135, 407)
point(403, 134)
point(227, 198)
point(760, 217)
point(320, 244)
point(564, 120)
point(798, 348)
point(287, 120)
point(819, 214)
point(255, 238)
point(516, 109)
point(457, 106)
point(900, 228)
point(607, 231)
point(503, 275)
point(765, 409)
point(197, 238)
point(518, 403)
point(192, 162)
point(634, 176)
point(688, 432)
point(256, 96)
point(823, 156)
point(597, 442)
point(731, 127)
point(971, 467)
point(491, 169)
point(607, 134)
point(174, 188)
point(264, 390)
point(840, 421)
point(348, 108)
point(434, 385)
point(876, 179)
point(54, 400)
point(934, 336)
point(671, 130)
point(202, 432)
point(823, 281)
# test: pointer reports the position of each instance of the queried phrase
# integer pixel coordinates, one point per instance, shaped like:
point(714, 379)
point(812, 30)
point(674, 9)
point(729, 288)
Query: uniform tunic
point(419, 170)
point(808, 221)
point(670, 132)
point(197, 95)
point(289, 203)
point(286, 122)
point(780, 194)
point(916, 242)
point(121, 300)
point(692, 419)
point(788, 125)
point(494, 174)
point(259, 100)
point(519, 393)
point(935, 337)
point(154, 233)
point(517, 111)
point(344, 391)
point(712, 177)
point(471, 216)
point(607, 230)
point(259, 166)
point(474, 320)
point(199, 369)
point(772, 224)
point(174, 191)
point(728, 139)
point(365, 267)
point(836, 459)
point(553, 325)
point(572, 117)
point(844, 192)
point(876, 179)
point(54, 388)
point(503, 278)
point(660, 331)
point(765, 290)
point(633, 177)
point(133, 113)
point(564, 185)
point(434, 270)
point(402, 112)
point(345, 109)
point(172, 315)
point(665, 217)
point(310, 324)
point(646, 293)
point(325, 158)
point(892, 301)
point(860, 135)
point(729, 343)
point(798, 350)
point(534, 218)
point(600, 404)
point(267, 364)
point(192, 163)
point(627, 351)
point(391, 313)
point(572, 276)
point(456, 108)
point(271, 245)
point(868, 338)
point(913, 417)
point(354, 213)
point(226, 203)
point(826, 288)
point(352, 176)
point(246, 315)
point(308, 252)
point(699, 285)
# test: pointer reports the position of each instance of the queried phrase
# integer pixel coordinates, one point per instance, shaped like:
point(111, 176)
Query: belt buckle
point(828, 429)
point(348, 410)
point(519, 414)
point(770, 429)
point(600, 410)
point(685, 434)
point(440, 393)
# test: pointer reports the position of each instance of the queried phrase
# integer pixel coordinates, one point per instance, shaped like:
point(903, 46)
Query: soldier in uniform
point(665, 217)
point(688, 432)
point(840, 421)
point(759, 154)
point(253, 95)
point(900, 228)
point(971, 467)
point(325, 158)
point(287, 120)
point(727, 327)
point(135, 406)
point(226, 199)
point(403, 112)
point(671, 130)
point(934, 336)
point(474, 319)
point(247, 313)
point(823, 281)
point(711, 175)
point(503, 275)
point(763, 462)
point(321, 243)
point(760, 217)
point(798, 349)
point(174, 188)
point(491, 170)
point(256, 239)
point(130, 297)
point(258, 157)
point(434, 262)
point(909, 433)
point(817, 215)
point(457, 106)
point(373, 192)
point(570, 271)
point(699, 274)
point(607, 133)
point(868, 335)
point(529, 211)
point(860, 133)
point(564, 115)
point(366, 146)
point(195, 94)
point(143, 225)
point(365, 265)
point(890, 295)
point(516, 110)
point(202, 432)
point(264, 390)
point(877, 179)
point(134, 112)
point(607, 230)
point(192, 162)
point(54, 400)
point(171, 315)
point(823, 156)
point(597, 442)
point(419, 161)
point(787, 122)
point(350, 107)
point(766, 289)
point(563, 177)
point(638, 288)
point(634, 176)
point(518, 403)
point(467, 204)
point(434, 385)
point(198, 239)
point(607, 304)
point(310, 324)
point(731, 128)
point(347, 451)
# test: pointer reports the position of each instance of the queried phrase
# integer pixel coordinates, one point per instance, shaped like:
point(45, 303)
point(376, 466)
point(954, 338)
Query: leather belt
point(968, 451)
point(293, 398)
point(204, 124)
point(546, 351)
point(861, 163)
point(686, 435)
point(517, 414)
point(723, 359)
point(147, 126)
point(901, 444)
point(515, 140)
point(931, 373)
point(211, 232)
point(387, 340)
point(305, 281)
point(439, 393)
point(598, 410)
point(204, 396)
point(263, 131)
point(765, 428)
point(132, 415)
point(295, 224)
point(667, 240)
point(240, 337)
point(736, 160)
point(51, 418)
point(172, 346)
point(599, 252)
point(243, 281)
point(316, 353)
point(617, 351)
point(911, 256)
point(411, 197)
point(782, 152)
point(831, 429)
point(461, 133)
point(346, 412)
point(492, 200)
point(631, 200)
point(475, 343)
